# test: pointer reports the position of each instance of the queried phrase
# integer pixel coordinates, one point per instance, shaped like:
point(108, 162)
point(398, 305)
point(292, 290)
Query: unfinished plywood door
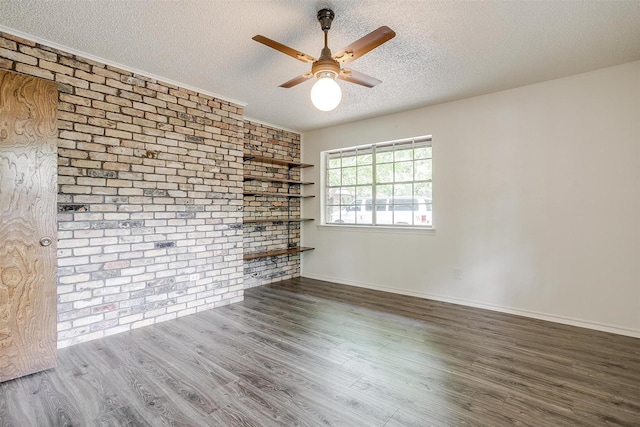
point(28, 191)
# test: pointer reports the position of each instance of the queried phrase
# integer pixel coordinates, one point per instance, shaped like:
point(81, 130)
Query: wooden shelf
point(282, 181)
point(279, 162)
point(278, 252)
point(267, 220)
point(257, 193)
point(289, 182)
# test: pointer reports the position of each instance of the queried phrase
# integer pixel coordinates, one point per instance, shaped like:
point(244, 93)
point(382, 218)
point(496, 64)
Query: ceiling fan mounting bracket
point(325, 16)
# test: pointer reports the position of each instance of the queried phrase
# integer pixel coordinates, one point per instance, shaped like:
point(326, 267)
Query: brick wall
point(150, 194)
point(266, 141)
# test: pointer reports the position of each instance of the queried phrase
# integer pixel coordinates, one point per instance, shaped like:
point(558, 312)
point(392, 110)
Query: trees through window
point(387, 184)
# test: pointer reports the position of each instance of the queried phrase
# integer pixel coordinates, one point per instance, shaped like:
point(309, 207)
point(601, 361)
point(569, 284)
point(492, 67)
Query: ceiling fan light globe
point(326, 94)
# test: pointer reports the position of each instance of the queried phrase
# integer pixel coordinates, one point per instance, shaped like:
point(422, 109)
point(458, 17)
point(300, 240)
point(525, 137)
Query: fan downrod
point(325, 66)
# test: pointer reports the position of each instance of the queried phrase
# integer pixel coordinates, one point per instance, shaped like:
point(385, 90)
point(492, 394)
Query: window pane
point(349, 161)
point(423, 190)
point(332, 214)
point(340, 195)
point(384, 172)
point(349, 176)
point(403, 209)
point(381, 184)
point(404, 154)
point(422, 153)
point(384, 191)
point(423, 170)
point(334, 162)
point(364, 215)
point(365, 175)
point(384, 156)
point(403, 171)
point(400, 190)
point(363, 193)
point(333, 177)
point(365, 159)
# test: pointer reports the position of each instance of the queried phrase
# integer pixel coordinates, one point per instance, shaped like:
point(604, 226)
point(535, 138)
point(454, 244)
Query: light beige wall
point(536, 199)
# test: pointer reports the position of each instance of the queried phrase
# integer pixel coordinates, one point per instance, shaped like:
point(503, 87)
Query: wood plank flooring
point(309, 353)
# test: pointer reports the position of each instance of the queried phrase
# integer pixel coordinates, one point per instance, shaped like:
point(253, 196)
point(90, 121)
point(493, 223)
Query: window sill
point(377, 229)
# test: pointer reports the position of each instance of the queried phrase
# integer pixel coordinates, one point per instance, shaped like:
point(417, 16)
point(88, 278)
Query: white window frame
point(334, 210)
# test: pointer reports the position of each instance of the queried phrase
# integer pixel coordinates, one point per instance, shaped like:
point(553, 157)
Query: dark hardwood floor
point(310, 353)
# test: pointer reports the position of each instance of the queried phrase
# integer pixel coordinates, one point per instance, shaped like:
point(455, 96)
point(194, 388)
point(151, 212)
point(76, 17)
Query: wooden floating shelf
point(289, 182)
point(283, 181)
point(279, 162)
point(267, 220)
point(278, 252)
point(257, 193)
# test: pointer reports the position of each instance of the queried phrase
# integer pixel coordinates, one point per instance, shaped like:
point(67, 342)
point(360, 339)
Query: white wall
point(536, 199)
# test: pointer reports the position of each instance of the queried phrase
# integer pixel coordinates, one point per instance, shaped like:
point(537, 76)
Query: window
point(387, 184)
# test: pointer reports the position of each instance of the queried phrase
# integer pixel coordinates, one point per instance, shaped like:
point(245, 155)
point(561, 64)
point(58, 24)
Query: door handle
point(45, 241)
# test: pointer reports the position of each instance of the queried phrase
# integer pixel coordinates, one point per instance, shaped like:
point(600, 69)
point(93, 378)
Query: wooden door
point(28, 162)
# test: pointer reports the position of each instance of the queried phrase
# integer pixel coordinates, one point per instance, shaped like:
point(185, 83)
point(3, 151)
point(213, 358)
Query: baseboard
point(502, 309)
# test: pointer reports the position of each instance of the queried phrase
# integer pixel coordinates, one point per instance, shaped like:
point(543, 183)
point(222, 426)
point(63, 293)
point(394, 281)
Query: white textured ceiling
point(443, 50)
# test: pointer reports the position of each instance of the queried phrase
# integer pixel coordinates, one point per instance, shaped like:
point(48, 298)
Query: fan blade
point(356, 77)
point(296, 80)
point(367, 43)
point(284, 49)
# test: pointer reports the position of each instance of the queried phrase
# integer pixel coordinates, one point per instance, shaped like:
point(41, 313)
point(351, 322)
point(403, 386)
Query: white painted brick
point(62, 326)
point(131, 319)
point(139, 173)
point(116, 297)
point(65, 289)
point(87, 303)
point(87, 320)
point(175, 308)
point(143, 323)
point(111, 290)
point(155, 313)
point(117, 281)
point(76, 296)
point(165, 317)
point(72, 243)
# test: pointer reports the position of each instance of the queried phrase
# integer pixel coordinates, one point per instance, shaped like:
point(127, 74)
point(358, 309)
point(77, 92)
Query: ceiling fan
point(326, 93)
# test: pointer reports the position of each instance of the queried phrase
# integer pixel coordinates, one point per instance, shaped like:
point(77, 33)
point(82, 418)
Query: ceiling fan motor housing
point(325, 65)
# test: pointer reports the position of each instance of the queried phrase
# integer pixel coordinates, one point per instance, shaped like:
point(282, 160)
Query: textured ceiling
point(443, 50)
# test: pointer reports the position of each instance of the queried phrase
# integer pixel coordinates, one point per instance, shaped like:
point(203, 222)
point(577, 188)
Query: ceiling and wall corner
point(443, 51)
point(536, 204)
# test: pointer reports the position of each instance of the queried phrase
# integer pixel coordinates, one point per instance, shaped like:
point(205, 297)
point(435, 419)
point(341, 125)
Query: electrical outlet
point(457, 273)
